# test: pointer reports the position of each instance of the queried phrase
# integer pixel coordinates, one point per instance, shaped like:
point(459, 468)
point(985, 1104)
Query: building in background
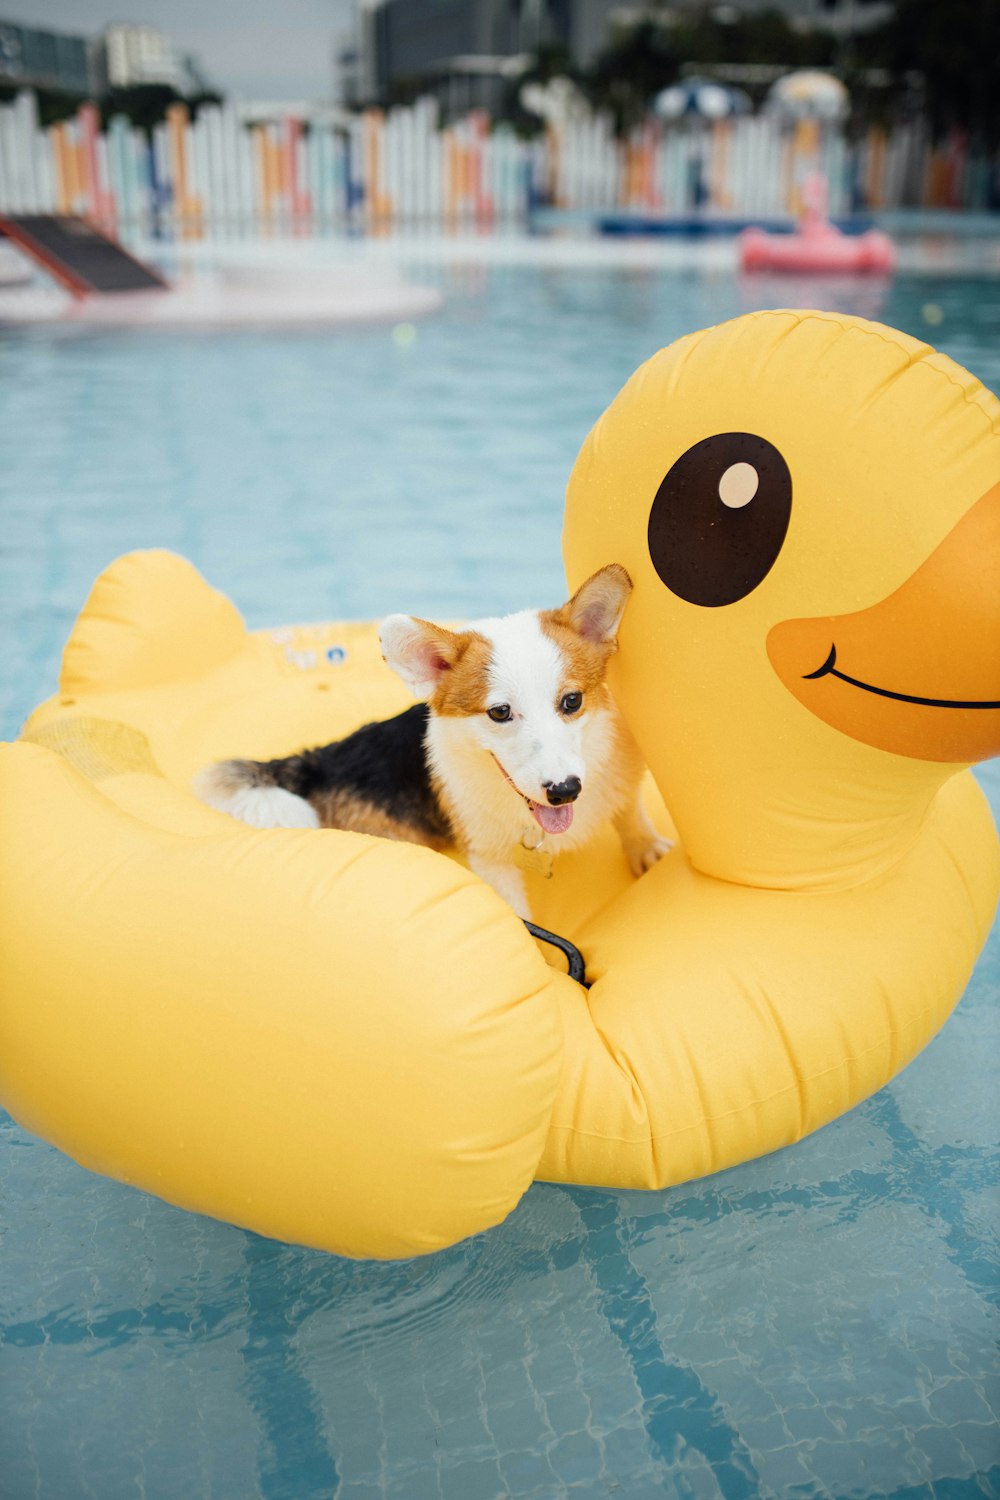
point(842, 17)
point(127, 56)
point(54, 61)
point(464, 53)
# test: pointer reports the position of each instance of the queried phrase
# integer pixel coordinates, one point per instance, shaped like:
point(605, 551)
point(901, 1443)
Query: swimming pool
point(822, 1322)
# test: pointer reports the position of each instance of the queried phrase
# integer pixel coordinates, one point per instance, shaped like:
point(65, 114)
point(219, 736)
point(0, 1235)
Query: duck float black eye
point(718, 521)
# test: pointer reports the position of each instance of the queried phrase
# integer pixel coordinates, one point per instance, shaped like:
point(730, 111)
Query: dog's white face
point(522, 688)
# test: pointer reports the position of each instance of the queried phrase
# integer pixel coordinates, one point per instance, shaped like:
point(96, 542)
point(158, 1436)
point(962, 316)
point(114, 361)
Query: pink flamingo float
point(817, 245)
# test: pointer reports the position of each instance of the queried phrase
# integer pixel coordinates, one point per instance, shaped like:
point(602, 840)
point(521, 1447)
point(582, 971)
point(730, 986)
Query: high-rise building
point(464, 52)
point(128, 55)
point(32, 58)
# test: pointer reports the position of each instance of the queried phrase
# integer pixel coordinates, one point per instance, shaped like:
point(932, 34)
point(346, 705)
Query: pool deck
point(939, 249)
point(258, 292)
point(349, 278)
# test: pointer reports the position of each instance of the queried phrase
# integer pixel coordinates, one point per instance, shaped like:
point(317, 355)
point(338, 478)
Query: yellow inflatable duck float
point(355, 1045)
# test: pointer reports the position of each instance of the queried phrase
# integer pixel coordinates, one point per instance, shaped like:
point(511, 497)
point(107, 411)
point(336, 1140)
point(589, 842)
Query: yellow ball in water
point(932, 314)
point(404, 335)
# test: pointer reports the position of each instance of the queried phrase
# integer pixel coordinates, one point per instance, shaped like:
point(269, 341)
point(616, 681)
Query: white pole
point(8, 162)
point(25, 128)
point(45, 173)
point(6, 204)
point(242, 145)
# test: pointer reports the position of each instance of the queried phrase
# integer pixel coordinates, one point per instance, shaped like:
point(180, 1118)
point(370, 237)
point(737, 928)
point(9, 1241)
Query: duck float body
point(354, 1044)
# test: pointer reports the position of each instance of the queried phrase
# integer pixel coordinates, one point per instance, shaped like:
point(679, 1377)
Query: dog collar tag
point(530, 855)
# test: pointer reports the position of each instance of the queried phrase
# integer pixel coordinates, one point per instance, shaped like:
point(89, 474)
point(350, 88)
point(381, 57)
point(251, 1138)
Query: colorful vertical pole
point(63, 173)
point(481, 194)
point(265, 176)
point(290, 167)
point(721, 197)
point(379, 206)
point(875, 175)
point(177, 119)
point(87, 123)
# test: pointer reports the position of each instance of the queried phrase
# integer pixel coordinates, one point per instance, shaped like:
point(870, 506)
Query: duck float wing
point(200, 1018)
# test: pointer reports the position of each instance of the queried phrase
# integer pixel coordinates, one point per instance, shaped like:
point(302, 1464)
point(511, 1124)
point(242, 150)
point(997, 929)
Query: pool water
point(822, 1322)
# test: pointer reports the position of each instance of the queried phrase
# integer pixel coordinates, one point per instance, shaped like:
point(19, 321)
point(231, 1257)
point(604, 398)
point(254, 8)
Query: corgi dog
point(517, 746)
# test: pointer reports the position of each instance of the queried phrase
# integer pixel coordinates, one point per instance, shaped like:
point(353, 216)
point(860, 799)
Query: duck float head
point(356, 1045)
point(809, 507)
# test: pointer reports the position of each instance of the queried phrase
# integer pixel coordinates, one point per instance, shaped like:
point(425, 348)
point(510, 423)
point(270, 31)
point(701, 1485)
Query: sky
point(259, 49)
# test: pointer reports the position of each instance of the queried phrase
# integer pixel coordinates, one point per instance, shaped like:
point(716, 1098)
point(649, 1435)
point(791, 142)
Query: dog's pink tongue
point(553, 819)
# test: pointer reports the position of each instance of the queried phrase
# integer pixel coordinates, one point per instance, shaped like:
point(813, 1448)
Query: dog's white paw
point(643, 856)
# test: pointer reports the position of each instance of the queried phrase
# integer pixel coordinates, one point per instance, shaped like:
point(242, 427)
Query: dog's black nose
point(562, 791)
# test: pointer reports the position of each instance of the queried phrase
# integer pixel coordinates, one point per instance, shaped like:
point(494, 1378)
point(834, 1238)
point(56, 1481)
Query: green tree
point(631, 71)
point(53, 104)
point(753, 37)
point(649, 56)
point(549, 62)
point(146, 104)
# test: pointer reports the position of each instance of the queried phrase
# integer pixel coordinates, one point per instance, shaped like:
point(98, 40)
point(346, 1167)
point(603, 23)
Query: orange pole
point(275, 185)
point(722, 134)
point(645, 174)
point(301, 202)
point(60, 158)
point(374, 122)
point(259, 139)
point(552, 142)
point(484, 200)
point(465, 155)
point(288, 164)
point(939, 179)
point(875, 176)
point(451, 177)
point(653, 198)
point(74, 174)
point(279, 175)
point(177, 119)
point(85, 117)
point(633, 174)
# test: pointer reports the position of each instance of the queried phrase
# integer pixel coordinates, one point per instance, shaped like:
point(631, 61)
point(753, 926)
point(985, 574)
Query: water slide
point(78, 256)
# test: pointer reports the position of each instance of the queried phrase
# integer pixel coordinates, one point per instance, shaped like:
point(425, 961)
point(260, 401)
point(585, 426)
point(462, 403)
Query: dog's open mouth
point(551, 819)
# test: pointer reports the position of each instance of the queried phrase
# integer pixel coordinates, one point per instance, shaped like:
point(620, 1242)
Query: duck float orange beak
point(919, 672)
point(354, 1044)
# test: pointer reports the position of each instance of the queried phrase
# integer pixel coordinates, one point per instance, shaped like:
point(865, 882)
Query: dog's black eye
point(719, 518)
point(570, 703)
point(500, 713)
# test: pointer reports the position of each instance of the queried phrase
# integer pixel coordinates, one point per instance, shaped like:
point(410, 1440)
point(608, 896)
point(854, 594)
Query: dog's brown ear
point(419, 652)
point(595, 610)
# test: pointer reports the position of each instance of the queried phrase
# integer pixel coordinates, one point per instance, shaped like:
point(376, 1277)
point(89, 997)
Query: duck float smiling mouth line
point(935, 637)
point(830, 668)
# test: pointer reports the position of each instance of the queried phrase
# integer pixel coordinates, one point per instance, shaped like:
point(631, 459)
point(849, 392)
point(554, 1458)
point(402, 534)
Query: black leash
point(574, 958)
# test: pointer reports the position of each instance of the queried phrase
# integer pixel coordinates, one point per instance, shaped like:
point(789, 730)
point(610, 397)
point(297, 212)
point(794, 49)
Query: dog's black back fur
point(383, 763)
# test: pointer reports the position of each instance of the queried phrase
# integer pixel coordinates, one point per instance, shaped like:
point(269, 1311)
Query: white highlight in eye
point(738, 485)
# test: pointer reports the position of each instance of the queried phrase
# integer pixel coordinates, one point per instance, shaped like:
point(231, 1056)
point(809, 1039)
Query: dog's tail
point(263, 793)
